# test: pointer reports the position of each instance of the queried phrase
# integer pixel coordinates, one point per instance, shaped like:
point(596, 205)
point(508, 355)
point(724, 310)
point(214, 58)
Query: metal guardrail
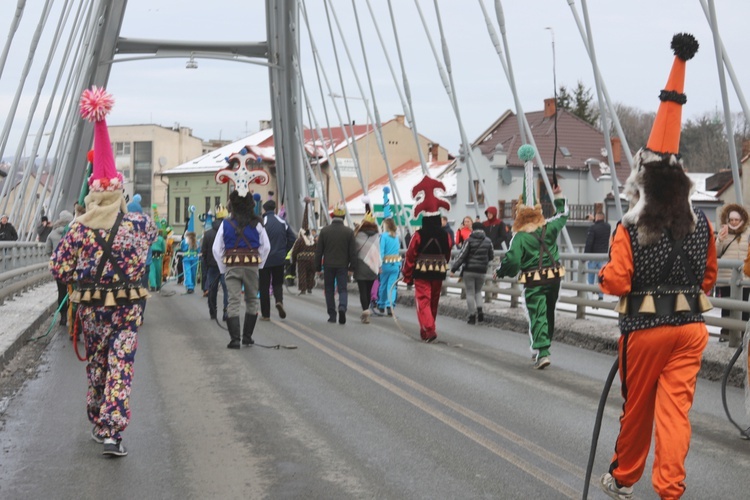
point(23, 265)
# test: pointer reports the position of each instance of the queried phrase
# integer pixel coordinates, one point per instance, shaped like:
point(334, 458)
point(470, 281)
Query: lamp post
point(367, 127)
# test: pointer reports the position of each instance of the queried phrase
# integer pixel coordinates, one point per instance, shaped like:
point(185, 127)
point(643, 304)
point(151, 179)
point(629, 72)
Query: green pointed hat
point(526, 153)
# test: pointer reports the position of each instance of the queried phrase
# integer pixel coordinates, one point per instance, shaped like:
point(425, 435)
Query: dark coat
point(336, 245)
point(8, 232)
point(476, 254)
point(280, 235)
point(597, 238)
point(208, 243)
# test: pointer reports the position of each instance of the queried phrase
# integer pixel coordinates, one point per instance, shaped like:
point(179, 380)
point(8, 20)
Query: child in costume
point(241, 246)
point(190, 253)
point(391, 267)
point(103, 253)
point(428, 254)
point(533, 251)
point(662, 262)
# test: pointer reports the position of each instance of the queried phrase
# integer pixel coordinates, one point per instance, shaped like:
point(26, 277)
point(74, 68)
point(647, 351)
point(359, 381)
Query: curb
point(26, 334)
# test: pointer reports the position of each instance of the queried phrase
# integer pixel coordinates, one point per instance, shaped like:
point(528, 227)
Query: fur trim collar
point(528, 219)
point(102, 208)
point(734, 207)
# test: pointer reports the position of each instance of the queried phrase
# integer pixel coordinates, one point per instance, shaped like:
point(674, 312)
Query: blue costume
point(190, 253)
point(390, 269)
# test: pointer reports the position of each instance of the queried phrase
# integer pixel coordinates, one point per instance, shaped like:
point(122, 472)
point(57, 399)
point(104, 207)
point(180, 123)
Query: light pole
point(367, 127)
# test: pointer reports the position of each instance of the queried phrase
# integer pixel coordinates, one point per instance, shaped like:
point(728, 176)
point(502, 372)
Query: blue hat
point(135, 205)
point(191, 221)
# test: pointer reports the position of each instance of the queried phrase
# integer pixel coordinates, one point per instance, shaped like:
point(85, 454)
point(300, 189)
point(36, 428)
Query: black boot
point(233, 325)
point(480, 315)
point(248, 328)
point(472, 319)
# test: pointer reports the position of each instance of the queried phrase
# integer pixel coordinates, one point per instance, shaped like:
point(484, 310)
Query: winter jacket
point(495, 229)
point(8, 232)
point(462, 235)
point(368, 255)
point(280, 235)
point(336, 245)
point(476, 254)
point(597, 238)
point(208, 243)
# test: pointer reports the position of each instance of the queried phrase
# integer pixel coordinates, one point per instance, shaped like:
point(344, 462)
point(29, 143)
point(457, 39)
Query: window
point(187, 209)
point(478, 192)
point(565, 151)
point(177, 211)
point(122, 149)
point(217, 201)
point(208, 204)
point(142, 171)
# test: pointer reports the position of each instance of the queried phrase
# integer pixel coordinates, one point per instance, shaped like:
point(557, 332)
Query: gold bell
point(622, 305)
point(134, 295)
point(537, 276)
point(647, 306)
point(121, 294)
point(86, 296)
point(561, 271)
point(143, 293)
point(681, 304)
point(442, 268)
point(430, 267)
point(550, 274)
point(75, 297)
point(703, 303)
point(237, 259)
point(97, 295)
point(522, 279)
point(109, 301)
point(247, 260)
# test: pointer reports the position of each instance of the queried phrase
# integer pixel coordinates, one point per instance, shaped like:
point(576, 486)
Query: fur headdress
point(529, 216)
point(658, 188)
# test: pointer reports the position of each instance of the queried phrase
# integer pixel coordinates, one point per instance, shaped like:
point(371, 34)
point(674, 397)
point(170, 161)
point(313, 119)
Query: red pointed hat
point(428, 197)
point(665, 133)
point(95, 105)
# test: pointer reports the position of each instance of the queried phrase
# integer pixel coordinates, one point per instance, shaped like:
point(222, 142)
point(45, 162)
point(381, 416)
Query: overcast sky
point(227, 100)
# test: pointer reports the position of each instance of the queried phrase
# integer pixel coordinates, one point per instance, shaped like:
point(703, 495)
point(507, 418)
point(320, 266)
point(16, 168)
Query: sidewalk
point(596, 334)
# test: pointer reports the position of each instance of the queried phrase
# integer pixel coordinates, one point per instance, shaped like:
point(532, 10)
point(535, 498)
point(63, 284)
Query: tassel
point(97, 295)
point(622, 305)
point(144, 293)
point(522, 279)
point(561, 270)
point(442, 268)
point(647, 306)
point(86, 296)
point(75, 297)
point(703, 303)
point(110, 300)
point(550, 273)
point(121, 294)
point(537, 276)
point(247, 260)
point(134, 295)
point(430, 267)
point(681, 304)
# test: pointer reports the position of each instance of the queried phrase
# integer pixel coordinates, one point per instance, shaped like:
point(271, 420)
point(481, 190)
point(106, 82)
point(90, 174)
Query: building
point(144, 152)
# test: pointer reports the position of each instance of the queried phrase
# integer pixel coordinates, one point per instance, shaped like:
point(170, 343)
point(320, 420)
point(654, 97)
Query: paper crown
point(221, 212)
point(242, 172)
point(95, 104)
point(191, 221)
point(427, 199)
point(369, 218)
point(135, 205)
point(526, 154)
point(386, 203)
point(665, 133)
point(339, 211)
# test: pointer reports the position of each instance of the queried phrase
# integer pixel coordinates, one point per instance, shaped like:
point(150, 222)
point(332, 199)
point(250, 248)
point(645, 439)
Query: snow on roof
point(215, 160)
point(406, 176)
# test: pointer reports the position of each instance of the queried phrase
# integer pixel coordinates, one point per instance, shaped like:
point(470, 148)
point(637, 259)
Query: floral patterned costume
point(110, 332)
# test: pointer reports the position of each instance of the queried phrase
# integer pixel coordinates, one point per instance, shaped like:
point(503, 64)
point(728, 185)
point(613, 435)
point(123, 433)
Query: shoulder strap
point(724, 250)
point(107, 251)
point(240, 233)
point(543, 250)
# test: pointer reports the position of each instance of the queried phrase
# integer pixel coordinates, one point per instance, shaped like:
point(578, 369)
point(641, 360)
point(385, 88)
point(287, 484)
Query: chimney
point(264, 124)
point(400, 119)
point(549, 107)
point(434, 151)
point(616, 149)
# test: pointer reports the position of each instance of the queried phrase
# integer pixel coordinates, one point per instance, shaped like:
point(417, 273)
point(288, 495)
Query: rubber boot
point(248, 328)
point(472, 319)
point(480, 315)
point(233, 325)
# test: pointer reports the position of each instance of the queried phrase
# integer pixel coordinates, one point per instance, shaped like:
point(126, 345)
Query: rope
point(744, 433)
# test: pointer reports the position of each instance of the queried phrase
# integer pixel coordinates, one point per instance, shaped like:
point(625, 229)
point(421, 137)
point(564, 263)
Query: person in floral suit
point(103, 254)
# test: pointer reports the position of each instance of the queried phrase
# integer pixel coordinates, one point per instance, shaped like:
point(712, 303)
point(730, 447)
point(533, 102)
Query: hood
point(478, 234)
point(734, 207)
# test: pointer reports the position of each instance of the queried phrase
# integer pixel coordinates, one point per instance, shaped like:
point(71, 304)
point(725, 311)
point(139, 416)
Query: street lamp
point(367, 127)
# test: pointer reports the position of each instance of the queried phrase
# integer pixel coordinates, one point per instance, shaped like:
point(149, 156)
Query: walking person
point(59, 227)
point(43, 229)
point(463, 232)
point(597, 241)
point(476, 255)
point(190, 253)
point(104, 254)
point(428, 254)
point(495, 228)
point(335, 258)
point(368, 261)
point(731, 243)
point(241, 247)
point(303, 255)
point(390, 267)
point(662, 262)
point(214, 276)
point(282, 238)
point(533, 252)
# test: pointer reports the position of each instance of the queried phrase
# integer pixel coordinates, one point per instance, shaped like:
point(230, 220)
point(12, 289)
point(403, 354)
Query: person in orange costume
point(662, 263)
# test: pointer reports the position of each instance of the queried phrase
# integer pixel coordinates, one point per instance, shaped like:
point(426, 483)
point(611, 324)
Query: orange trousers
point(658, 369)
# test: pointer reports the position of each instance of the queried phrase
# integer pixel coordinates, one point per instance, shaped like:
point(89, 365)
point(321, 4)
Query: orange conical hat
point(665, 133)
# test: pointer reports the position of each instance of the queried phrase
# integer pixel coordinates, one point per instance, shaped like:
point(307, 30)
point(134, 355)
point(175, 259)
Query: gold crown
point(339, 211)
point(369, 218)
point(221, 212)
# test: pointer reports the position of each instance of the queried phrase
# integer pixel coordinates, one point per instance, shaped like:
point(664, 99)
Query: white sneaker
point(609, 486)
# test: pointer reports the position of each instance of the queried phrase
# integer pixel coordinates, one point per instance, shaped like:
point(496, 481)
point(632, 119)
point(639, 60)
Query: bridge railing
point(23, 265)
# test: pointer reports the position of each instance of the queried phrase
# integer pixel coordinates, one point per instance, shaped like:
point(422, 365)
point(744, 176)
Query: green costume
point(541, 293)
point(158, 248)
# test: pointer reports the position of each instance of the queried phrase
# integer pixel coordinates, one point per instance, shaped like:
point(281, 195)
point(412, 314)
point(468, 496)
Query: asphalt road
point(356, 411)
